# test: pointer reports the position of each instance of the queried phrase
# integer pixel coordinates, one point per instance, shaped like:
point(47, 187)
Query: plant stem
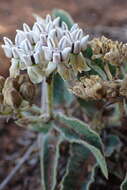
point(50, 94)
point(47, 96)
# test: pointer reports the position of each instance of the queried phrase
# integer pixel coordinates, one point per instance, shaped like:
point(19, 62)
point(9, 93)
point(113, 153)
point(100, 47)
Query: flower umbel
point(45, 48)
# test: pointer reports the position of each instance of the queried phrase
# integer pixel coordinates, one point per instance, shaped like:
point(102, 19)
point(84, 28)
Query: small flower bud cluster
point(110, 51)
point(45, 48)
point(14, 90)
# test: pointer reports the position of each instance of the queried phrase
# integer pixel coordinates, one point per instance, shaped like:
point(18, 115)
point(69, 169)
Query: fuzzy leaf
point(124, 184)
point(64, 16)
point(49, 145)
point(61, 94)
point(96, 68)
point(78, 174)
point(74, 128)
point(70, 175)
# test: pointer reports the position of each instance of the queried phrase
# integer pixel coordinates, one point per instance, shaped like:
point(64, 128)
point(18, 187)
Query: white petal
point(27, 60)
point(56, 58)
point(51, 67)
point(65, 53)
point(38, 18)
point(83, 42)
point(74, 27)
point(26, 45)
point(30, 36)
point(79, 34)
point(43, 40)
point(7, 51)
point(50, 43)
point(15, 53)
point(48, 54)
point(8, 42)
point(56, 21)
point(49, 27)
point(20, 36)
point(48, 19)
point(64, 26)
point(37, 28)
point(59, 32)
point(77, 47)
point(26, 28)
point(63, 42)
point(73, 34)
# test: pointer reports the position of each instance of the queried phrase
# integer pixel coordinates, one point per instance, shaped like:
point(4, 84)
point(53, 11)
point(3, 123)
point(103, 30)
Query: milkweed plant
point(76, 73)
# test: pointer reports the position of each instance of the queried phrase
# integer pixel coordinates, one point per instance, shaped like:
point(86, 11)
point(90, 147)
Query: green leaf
point(124, 184)
point(74, 128)
point(112, 143)
point(40, 127)
point(96, 68)
point(68, 179)
point(64, 16)
point(49, 145)
point(61, 94)
point(90, 106)
point(78, 174)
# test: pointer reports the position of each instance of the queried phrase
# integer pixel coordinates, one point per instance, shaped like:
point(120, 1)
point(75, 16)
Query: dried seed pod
point(12, 98)
point(2, 81)
point(1, 98)
point(123, 88)
point(89, 88)
point(10, 83)
point(28, 91)
point(23, 78)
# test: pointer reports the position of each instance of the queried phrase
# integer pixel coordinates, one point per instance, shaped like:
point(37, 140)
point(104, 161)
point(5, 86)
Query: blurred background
point(97, 17)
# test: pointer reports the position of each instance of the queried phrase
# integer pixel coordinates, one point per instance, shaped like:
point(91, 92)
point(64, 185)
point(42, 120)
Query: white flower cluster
point(49, 46)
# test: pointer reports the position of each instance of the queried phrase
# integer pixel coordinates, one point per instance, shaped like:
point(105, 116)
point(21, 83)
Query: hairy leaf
point(79, 170)
point(75, 128)
point(61, 94)
point(124, 184)
point(64, 16)
point(49, 145)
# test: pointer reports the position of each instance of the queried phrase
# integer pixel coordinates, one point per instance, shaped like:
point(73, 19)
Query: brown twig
point(7, 180)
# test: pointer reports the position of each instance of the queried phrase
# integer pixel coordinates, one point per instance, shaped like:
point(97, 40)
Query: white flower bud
point(48, 54)
point(15, 52)
point(56, 58)
point(65, 53)
point(37, 28)
point(43, 40)
point(26, 45)
point(27, 60)
point(8, 42)
point(83, 42)
point(20, 36)
point(48, 19)
point(56, 21)
point(26, 28)
point(74, 27)
point(77, 47)
point(64, 26)
point(79, 34)
point(50, 43)
point(7, 51)
point(63, 42)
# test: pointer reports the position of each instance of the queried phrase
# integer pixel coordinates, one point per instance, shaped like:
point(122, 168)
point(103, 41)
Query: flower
point(49, 46)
